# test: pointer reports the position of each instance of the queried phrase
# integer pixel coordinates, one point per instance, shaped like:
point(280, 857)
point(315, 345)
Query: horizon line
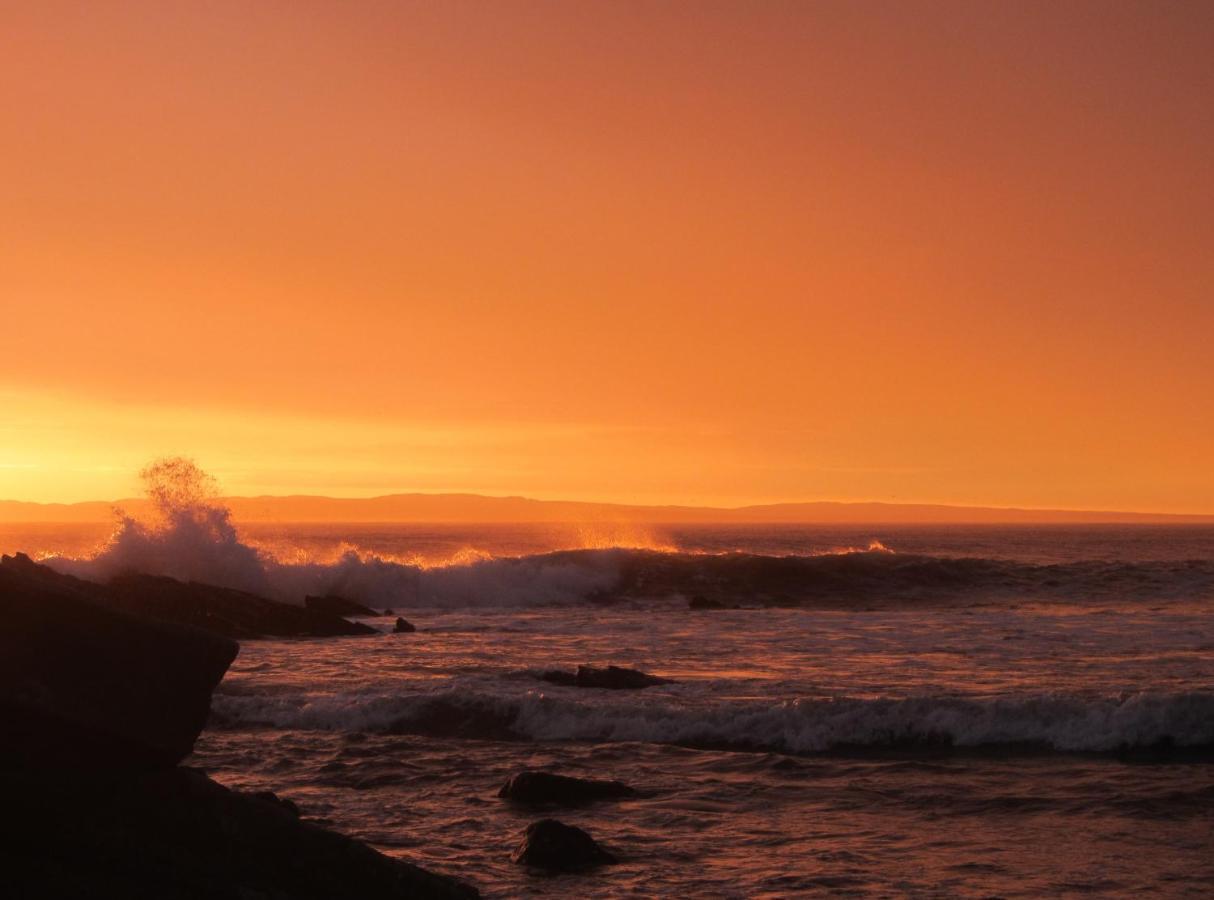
point(771, 506)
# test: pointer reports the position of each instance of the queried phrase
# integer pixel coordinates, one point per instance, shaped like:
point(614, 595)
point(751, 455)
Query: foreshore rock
point(614, 678)
point(549, 844)
point(547, 788)
point(86, 687)
point(177, 834)
point(97, 708)
point(403, 626)
point(225, 611)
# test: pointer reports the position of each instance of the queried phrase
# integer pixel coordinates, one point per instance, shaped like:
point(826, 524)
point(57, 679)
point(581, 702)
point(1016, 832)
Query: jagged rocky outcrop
point(555, 846)
point(403, 626)
point(615, 678)
point(225, 611)
point(550, 789)
point(98, 708)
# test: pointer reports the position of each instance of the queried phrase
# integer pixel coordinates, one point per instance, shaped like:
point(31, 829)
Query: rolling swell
point(856, 579)
point(882, 577)
point(195, 540)
point(192, 537)
point(846, 580)
point(1033, 724)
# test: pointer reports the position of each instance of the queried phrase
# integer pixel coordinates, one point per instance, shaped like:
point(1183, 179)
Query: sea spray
point(191, 536)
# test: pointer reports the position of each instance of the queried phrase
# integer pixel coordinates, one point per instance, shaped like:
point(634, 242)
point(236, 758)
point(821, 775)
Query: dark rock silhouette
point(549, 844)
point(333, 605)
point(225, 611)
point(546, 788)
point(86, 686)
point(288, 806)
point(612, 678)
point(403, 627)
point(699, 602)
point(98, 706)
point(177, 834)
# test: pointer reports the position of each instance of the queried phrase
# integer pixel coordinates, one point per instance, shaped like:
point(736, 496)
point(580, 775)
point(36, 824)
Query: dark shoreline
point(101, 706)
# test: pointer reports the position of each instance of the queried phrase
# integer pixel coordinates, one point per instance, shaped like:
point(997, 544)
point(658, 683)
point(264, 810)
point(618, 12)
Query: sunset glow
point(711, 253)
point(604, 449)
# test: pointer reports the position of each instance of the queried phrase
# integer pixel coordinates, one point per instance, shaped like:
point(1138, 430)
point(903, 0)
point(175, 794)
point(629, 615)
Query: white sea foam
point(191, 537)
point(187, 553)
point(1057, 722)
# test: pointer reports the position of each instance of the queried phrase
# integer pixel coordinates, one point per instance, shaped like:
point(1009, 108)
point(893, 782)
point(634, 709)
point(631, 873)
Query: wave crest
point(192, 538)
point(1051, 722)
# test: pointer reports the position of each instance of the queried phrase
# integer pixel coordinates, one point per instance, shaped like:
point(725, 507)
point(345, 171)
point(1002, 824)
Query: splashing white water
point(191, 537)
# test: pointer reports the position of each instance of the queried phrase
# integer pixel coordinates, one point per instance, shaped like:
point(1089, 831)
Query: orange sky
point(640, 252)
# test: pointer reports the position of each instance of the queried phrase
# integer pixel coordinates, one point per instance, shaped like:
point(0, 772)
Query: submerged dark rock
point(403, 627)
point(333, 605)
point(86, 687)
point(177, 834)
point(547, 788)
point(612, 678)
point(549, 844)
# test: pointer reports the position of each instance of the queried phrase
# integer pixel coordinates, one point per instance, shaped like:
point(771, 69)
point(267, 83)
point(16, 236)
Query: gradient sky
point(642, 252)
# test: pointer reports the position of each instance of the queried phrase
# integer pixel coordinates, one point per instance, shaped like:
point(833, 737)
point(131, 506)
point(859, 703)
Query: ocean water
point(892, 711)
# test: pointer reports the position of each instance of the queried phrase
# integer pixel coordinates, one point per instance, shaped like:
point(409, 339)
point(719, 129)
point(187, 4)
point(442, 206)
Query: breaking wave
point(856, 580)
point(192, 538)
point(1057, 723)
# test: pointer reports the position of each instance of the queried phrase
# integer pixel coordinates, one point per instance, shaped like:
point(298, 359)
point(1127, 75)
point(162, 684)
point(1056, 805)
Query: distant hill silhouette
point(481, 509)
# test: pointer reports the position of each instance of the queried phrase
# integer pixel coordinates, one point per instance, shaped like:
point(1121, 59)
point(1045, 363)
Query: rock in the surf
point(614, 678)
point(403, 627)
point(338, 606)
point(228, 611)
point(549, 844)
point(547, 788)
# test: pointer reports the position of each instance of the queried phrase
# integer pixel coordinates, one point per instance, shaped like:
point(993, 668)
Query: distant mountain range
point(481, 509)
